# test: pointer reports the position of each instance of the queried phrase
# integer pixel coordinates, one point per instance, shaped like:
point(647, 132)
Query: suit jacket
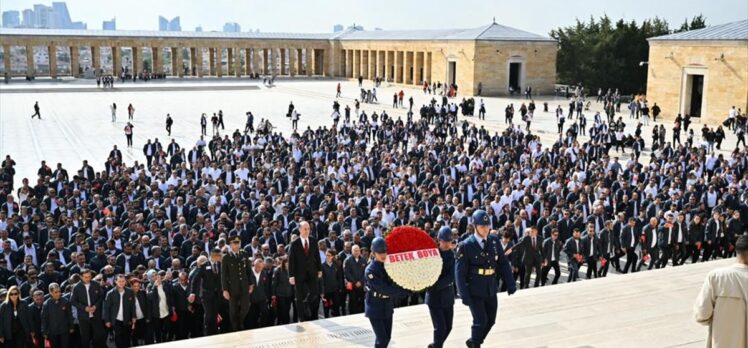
point(591, 246)
point(154, 299)
point(530, 256)
point(207, 282)
point(552, 249)
point(262, 287)
point(302, 266)
point(629, 237)
point(80, 301)
point(571, 248)
point(112, 302)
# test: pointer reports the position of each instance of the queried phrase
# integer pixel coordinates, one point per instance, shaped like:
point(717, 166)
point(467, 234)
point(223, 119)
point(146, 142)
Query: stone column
point(193, 62)
point(135, 60)
point(398, 76)
point(372, 64)
point(199, 61)
point(386, 74)
point(266, 61)
point(7, 60)
point(283, 68)
point(96, 59)
point(30, 61)
point(212, 61)
point(116, 61)
point(365, 62)
point(355, 71)
point(407, 66)
point(52, 54)
point(177, 61)
point(229, 61)
point(74, 61)
point(292, 62)
point(427, 69)
point(416, 68)
point(310, 61)
point(219, 62)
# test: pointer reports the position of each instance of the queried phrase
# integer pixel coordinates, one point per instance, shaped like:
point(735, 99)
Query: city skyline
point(273, 17)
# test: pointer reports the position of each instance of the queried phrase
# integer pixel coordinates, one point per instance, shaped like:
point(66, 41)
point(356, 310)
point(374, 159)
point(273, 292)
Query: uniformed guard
point(380, 292)
point(441, 296)
point(235, 283)
point(480, 261)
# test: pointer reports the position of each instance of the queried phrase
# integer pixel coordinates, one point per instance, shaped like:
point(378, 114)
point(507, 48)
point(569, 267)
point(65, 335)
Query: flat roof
point(728, 31)
point(491, 32)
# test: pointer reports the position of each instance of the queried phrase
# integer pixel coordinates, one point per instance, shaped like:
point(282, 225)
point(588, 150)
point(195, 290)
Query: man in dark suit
point(119, 311)
point(88, 298)
point(629, 241)
point(591, 247)
point(552, 254)
point(305, 268)
point(207, 285)
point(664, 240)
point(235, 272)
point(353, 272)
point(574, 251)
point(649, 244)
point(259, 298)
point(532, 256)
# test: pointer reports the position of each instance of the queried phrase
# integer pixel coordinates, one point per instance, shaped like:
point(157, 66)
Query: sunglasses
point(13, 294)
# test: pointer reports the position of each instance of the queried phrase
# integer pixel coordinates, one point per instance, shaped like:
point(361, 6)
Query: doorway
point(696, 84)
point(452, 73)
point(515, 69)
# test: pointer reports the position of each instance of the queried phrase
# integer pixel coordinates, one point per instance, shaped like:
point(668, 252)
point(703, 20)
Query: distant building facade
point(169, 25)
point(232, 27)
point(109, 25)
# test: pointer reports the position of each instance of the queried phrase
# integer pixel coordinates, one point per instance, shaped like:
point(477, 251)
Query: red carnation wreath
point(413, 260)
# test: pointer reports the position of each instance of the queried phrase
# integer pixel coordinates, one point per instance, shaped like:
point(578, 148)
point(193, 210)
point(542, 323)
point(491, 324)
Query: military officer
point(380, 294)
point(235, 268)
point(440, 298)
point(480, 262)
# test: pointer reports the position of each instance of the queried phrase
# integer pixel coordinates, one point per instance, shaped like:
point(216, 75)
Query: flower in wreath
point(413, 260)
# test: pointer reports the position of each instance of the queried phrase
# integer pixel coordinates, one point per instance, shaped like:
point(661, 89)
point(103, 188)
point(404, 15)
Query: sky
point(319, 16)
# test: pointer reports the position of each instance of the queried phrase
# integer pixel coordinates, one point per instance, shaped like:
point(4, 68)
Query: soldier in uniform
point(441, 296)
point(480, 262)
point(379, 302)
point(235, 268)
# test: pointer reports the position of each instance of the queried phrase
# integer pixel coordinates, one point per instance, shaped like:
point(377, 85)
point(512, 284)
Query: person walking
point(203, 124)
point(113, 108)
point(305, 269)
point(119, 311)
point(295, 119)
point(337, 93)
point(381, 291)
point(206, 284)
point(479, 257)
point(169, 122)
point(130, 112)
point(235, 266)
point(57, 318)
point(220, 119)
point(15, 320)
point(722, 303)
point(440, 298)
point(36, 111)
point(88, 298)
point(128, 133)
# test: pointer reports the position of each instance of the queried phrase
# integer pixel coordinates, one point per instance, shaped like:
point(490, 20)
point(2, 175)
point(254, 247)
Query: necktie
point(533, 244)
point(215, 267)
point(306, 247)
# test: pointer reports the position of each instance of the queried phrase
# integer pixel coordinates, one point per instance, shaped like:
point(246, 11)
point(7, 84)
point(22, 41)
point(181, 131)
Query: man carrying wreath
point(480, 261)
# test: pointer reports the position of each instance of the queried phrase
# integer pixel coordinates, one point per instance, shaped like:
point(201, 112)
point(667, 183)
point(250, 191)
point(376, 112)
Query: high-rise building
point(61, 15)
point(231, 27)
point(44, 16)
point(11, 19)
point(337, 28)
point(29, 21)
point(109, 25)
point(199, 28)
point(169, 25)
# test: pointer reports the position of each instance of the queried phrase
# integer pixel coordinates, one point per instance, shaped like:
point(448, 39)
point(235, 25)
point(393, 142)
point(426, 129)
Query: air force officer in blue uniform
point(440, 298)
point(380, 294)
point(480, 261)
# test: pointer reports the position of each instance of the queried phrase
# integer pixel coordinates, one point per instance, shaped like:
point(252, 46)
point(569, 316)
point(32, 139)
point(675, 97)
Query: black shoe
point(431, 345)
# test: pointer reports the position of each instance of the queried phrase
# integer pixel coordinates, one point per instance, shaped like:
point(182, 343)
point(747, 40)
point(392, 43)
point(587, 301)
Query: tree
point(603, 54)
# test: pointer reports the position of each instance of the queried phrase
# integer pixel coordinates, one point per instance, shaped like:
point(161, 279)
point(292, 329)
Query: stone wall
point(492, 60)
point(725, 77)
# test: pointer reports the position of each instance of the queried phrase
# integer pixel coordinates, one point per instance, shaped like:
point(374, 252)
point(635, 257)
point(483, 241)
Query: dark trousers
point(60, 341)
point(441, 318)
point(182, 327)
point(484, 316)
point(382, 331)
point(121, 334)
point(591, 267)
point(331, 307)
point(680, 253)
point(238, 309)
point(196, 323)
point(307, 297)
point(556, 272)
point(573, 271)
point(708, 248)
point(665, 254)
point(92, 332)
point(603, 270)
point(631, 259)
point(356, 301)
point(18, 341)
point(148, 160)
point(129, 139)
point(257, 316)
point(654, 257)
point(283, 309)
point(535, 265)
point(160, 329)
point(203, 129)
point(139, 334)
point(210, 314)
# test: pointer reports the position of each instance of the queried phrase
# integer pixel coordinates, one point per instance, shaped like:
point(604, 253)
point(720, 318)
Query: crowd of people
point(140, 252)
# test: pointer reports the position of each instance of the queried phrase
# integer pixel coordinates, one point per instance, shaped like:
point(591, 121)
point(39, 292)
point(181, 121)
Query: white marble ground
point(77, 125)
